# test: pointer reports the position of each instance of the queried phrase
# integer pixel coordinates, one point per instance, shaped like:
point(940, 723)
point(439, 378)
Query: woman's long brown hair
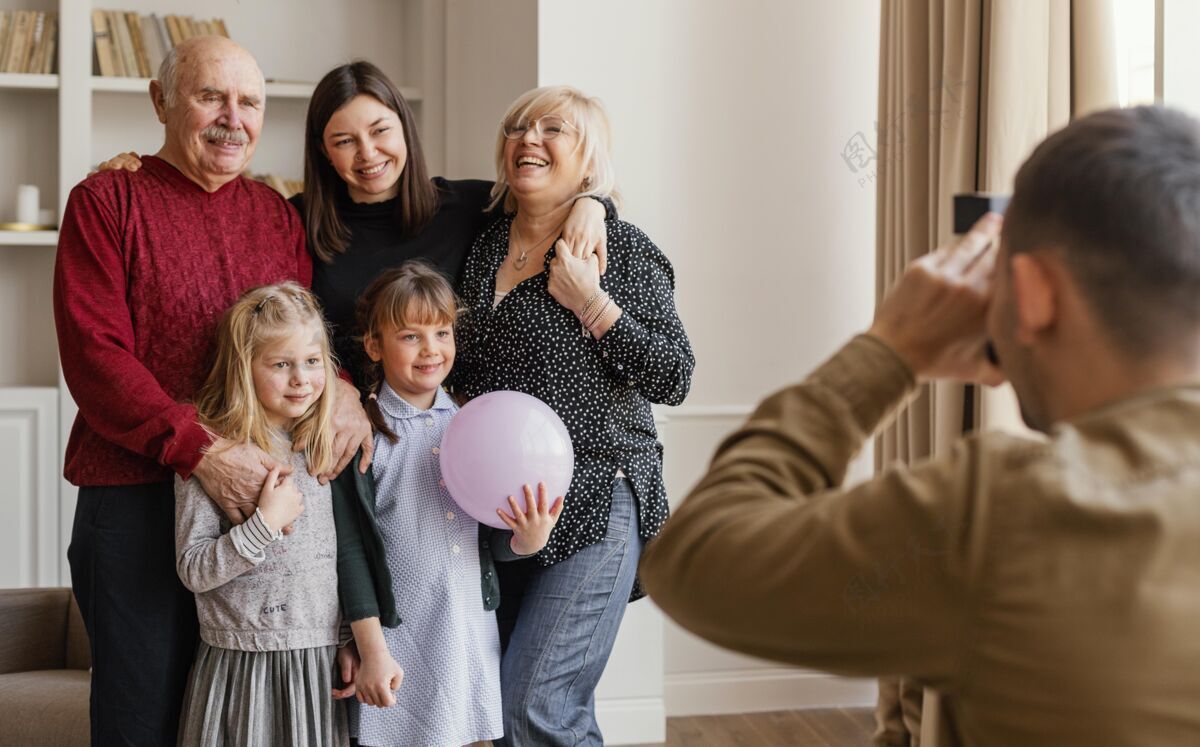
point(418, 198)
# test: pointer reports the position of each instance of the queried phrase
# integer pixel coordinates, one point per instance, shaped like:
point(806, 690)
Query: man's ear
point(159, 100)
point(1035, 295)
point(371, 345)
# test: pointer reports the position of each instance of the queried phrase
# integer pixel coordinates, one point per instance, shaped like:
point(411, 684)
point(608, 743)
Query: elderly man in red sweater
point(147, 262)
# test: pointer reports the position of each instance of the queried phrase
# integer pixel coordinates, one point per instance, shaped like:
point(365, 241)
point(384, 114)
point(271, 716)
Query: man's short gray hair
point(168, 76)
point(168, 71)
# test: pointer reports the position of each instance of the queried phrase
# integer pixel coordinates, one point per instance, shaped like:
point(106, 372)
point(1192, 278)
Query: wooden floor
point(834, 727)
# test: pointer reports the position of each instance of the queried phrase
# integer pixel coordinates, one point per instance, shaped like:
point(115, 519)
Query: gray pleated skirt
point(262, 699)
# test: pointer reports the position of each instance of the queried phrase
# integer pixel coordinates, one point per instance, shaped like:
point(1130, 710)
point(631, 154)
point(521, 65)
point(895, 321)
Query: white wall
point(730, 117)
point(491, 58)
point(1178, 62)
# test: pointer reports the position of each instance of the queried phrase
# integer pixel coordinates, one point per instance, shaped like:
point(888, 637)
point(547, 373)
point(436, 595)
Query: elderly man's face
point(213, 126)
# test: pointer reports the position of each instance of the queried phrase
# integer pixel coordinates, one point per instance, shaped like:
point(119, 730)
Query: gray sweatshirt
point(256, 589)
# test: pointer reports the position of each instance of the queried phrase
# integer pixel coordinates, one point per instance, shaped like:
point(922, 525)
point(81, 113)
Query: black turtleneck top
point(376, 244)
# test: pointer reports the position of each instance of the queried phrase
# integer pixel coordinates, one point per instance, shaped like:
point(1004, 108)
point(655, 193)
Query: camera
point(968, 209)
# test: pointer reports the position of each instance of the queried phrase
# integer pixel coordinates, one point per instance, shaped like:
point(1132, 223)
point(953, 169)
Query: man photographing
point(1049, 589)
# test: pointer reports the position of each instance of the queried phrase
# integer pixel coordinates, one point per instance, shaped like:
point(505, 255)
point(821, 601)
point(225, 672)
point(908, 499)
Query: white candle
point(27, 203)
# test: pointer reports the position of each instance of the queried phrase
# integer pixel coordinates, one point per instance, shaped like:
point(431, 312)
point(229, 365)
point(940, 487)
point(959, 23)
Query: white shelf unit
point(28, 81)
point(275, 89)
point(28, 238)
point(55, 128)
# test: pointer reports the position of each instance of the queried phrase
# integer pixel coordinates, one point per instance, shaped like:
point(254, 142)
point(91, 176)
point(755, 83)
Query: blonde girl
point(267, 601)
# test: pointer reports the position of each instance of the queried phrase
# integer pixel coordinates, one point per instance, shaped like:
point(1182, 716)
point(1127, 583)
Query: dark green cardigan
point(364, 581)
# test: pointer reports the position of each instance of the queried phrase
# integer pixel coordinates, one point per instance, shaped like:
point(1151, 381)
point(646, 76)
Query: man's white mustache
point(217, 132)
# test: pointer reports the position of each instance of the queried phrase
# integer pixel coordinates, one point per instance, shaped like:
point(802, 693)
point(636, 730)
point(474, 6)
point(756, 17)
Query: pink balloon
point(499, 442)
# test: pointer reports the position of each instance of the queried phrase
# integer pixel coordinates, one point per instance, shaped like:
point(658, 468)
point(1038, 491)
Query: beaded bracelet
point(600, 307)
point(599, 314)
point(607, 312)
point(588, 316)
point(587, 306)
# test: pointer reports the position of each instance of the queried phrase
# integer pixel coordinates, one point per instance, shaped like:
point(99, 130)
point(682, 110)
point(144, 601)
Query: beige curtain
point(967, 88)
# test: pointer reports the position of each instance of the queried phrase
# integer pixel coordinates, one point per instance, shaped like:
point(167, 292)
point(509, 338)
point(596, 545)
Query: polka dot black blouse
point(602, 389)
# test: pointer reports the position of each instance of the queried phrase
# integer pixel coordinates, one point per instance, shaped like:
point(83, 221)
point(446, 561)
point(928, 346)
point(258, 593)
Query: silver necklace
point(521, 261)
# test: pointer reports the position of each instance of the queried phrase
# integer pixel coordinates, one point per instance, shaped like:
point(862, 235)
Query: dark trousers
point(140, 619)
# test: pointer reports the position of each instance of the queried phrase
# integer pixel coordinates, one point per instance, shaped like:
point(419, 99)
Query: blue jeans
point(557, 628)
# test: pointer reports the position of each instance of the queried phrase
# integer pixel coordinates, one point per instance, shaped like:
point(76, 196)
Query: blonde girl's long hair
point(413, 293)
point(227, 403)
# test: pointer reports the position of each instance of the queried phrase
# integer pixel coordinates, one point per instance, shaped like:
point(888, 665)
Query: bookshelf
point(28, 82)
point(275, 89)
point(28, 238)
point(54, 128)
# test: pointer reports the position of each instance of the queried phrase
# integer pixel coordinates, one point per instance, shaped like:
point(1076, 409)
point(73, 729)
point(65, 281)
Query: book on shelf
point(15, 29)
point(126, 64)
point(27, 41)
point(14, 49)
point(44, 56)
point(9, 28)
point(151, 43)
point(127, 44)
point(139, 51)
point(30, 61)
point(164, 36)
point(176, 33)
point(103, 44)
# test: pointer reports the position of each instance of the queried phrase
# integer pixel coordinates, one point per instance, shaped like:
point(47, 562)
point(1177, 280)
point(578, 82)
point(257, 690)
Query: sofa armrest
point(79, 649)
point(33, 629)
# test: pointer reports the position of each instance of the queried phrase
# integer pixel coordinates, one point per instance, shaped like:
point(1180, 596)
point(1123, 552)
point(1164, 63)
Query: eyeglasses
point(546, 128)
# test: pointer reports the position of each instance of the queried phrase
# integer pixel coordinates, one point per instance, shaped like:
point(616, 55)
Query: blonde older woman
point(597, 349)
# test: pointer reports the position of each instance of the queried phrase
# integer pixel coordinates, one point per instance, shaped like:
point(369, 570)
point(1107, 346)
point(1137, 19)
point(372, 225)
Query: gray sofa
point(44, 661)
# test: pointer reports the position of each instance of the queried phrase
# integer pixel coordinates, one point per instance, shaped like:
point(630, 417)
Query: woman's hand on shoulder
point(123, 162)
point(572, 280)
point(585, 231)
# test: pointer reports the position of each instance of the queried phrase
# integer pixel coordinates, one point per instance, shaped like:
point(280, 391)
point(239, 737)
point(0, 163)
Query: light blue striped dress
point(447, 643)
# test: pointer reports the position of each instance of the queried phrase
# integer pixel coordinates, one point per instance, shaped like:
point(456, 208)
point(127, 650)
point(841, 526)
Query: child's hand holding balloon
point(531, 527)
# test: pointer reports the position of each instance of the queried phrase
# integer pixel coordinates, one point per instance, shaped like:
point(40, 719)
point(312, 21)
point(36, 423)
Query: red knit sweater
point(147, 262)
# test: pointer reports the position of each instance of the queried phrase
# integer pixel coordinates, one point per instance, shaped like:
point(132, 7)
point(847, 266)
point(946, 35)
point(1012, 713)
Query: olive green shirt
point(1050, 590)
